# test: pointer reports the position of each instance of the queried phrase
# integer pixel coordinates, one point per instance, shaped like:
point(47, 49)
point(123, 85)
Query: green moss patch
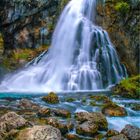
point(129, 88)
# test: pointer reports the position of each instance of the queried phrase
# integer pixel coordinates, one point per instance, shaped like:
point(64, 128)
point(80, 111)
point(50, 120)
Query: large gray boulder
point(118, 137)
point(97, 118)
point(11, 121)
point(45, 132)
point(87, 128)
point(132, 132)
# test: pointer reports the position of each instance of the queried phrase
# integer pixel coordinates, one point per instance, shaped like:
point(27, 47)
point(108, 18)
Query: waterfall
point(81, 56)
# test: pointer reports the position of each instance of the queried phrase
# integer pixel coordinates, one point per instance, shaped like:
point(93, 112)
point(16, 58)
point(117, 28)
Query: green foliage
point(129, 88)
point(70, 99)
point(1, 41)
point(132, 83)
point(122, 7)
point(63, 4)
point(22, 56)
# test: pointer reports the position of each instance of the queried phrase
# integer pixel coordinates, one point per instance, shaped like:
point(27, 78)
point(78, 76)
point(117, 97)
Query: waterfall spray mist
point(81, 56)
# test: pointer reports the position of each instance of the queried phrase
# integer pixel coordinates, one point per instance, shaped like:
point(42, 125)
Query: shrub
point(122, 7)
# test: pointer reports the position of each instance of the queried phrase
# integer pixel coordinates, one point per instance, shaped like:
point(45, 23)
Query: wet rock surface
point(134, 106)
point(27, 104)
point(118, 137)
point(97, 118)
point(40, 133)
point(87, 128)
point(113, 110)
point(51, 98)
point(112, 20)
point(128, 88)
point(75, 120)
point(72, 137)
point(111, 133)
point(44, 112)
point(132, 132)
point(62, 126)
point(11, 121)
point(61, 113)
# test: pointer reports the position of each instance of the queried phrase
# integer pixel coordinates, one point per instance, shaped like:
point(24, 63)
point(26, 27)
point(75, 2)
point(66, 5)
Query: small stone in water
point(51, 98)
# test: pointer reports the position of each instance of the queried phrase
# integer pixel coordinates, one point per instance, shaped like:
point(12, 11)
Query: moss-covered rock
point(113, 109)
point(51, 98)
point(37, 132)
point(129, 88)
point(100, 98)
point(111, 133)
point(44, 112)
point(61, 113)
point(99, 137)
point(97, 118)
point(70, 99)
point(135, 107)
point(87, 128)
point(29, 105)
point(93, 103)
point(132, 132)
point(11, 121)
point(63, 127)
point(72, 137)
point(83, 100)
point(118, 137)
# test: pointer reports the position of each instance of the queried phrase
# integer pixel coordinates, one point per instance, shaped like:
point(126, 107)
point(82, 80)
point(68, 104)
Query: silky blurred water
point(81, 56)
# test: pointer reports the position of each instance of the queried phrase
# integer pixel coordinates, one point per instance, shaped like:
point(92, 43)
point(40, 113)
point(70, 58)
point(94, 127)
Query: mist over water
point(81, 56)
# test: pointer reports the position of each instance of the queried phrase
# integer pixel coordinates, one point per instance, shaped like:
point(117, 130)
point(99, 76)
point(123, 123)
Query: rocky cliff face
point(26, 23)
point(122, 21)
point(26, 29)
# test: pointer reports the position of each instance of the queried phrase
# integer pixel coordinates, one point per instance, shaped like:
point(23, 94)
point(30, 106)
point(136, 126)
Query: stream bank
point(89, 116)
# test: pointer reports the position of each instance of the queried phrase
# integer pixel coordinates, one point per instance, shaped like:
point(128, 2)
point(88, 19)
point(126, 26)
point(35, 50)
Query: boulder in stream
point(113, 109)
point(97, 118)
point(87, 128)
point(45, 132)
point(51, 98)
point(132, 132)
point(118, 137)
point(11, 121)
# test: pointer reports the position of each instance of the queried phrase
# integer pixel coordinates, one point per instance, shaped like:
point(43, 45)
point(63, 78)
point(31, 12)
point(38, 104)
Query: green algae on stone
point(100, 98)
point(129, 88)
point(111, 133)
point(97, 118)
point(51, 98)
point(83, 100)
point(61, 113)
point(63, 127)
point(113, 109)
point(70, 99)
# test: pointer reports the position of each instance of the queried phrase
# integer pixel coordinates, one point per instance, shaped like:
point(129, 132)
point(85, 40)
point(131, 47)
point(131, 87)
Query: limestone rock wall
point(124, 30)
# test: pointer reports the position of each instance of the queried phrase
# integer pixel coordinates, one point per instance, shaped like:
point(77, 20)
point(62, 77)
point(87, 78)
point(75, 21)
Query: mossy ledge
point(128, 88)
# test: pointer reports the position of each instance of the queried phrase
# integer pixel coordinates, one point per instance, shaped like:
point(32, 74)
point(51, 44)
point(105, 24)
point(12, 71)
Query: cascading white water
point(81, 56)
